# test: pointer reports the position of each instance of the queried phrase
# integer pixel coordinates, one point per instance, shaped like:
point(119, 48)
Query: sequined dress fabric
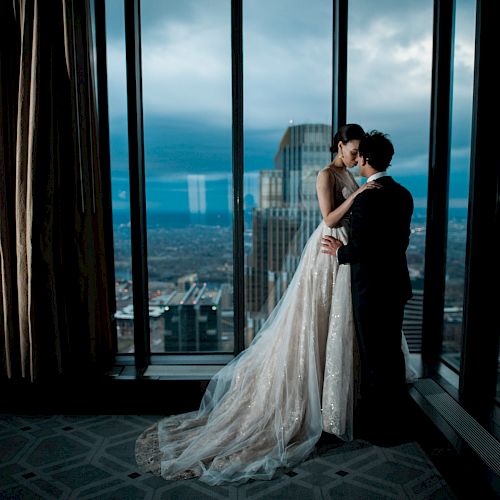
point(267, 408)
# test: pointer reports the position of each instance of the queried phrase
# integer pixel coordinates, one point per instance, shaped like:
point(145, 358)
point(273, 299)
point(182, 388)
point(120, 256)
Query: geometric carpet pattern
point(92, 457)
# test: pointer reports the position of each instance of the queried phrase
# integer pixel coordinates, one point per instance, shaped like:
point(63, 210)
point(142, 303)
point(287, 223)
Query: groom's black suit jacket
point(379, 236)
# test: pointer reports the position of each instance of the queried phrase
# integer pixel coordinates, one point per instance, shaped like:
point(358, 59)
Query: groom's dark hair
point(377, 150)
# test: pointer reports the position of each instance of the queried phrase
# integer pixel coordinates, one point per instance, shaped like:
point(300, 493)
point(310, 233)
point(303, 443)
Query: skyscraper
point(303, 151)
point(192, 319)
point(287, 216)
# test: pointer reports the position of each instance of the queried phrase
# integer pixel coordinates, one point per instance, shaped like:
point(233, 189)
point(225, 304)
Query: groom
point(380, 285)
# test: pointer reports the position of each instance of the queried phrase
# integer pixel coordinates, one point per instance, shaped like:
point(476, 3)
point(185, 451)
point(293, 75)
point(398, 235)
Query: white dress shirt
point(376, 176)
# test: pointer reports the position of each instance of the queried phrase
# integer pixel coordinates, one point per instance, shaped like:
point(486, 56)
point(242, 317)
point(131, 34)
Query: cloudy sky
point(287, 79)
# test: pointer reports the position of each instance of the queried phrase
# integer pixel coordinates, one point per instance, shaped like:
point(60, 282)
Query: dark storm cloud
point(390, 64)
point(287, 76)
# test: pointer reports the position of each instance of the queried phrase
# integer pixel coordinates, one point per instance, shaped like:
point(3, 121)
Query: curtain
point(56, 295)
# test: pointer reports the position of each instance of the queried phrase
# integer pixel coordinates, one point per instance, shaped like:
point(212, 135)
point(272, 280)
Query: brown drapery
point(55, 297)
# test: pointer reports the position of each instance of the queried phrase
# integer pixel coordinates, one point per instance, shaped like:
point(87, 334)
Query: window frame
point(479, 352)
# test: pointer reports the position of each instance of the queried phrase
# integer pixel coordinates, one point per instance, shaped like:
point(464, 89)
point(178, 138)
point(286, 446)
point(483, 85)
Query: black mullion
point(104, 149)
point(137, 181)
point(339, 65)
point(437, 198)
point(237, 160)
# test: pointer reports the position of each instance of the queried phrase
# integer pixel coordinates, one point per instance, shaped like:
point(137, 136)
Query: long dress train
point(267, 408)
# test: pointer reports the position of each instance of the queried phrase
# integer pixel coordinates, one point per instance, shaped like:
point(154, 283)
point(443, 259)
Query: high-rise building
point(192, 320)
point(287, 216)
point(125, 325)
point(303, 151)
point(275, 233)
point(271, 188)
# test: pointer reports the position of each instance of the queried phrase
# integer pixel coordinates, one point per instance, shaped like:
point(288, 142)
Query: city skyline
point(283, 215)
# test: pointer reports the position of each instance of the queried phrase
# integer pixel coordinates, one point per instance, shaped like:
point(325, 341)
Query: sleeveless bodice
point(342, 185)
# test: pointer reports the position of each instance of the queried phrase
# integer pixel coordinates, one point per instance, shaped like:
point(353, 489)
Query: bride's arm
point(324, 188)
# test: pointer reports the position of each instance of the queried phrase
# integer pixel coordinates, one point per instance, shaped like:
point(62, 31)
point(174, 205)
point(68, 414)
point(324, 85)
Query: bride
point(267, 408)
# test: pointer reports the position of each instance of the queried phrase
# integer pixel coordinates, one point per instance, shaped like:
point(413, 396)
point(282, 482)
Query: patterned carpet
point(92, 457)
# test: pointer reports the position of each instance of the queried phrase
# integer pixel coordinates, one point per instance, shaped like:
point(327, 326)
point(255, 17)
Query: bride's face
point(349, 152)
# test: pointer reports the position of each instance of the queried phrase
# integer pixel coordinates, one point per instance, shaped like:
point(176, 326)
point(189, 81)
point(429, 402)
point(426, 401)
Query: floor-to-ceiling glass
point(287, 133)
point(463, 73)
point(389, 85)
point(117, 94)
point(186, 77)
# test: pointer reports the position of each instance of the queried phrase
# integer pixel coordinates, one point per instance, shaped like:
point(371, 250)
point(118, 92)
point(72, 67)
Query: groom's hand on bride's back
point(330, 245)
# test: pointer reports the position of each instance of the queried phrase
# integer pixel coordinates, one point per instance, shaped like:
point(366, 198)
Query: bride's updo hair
point(346, 133)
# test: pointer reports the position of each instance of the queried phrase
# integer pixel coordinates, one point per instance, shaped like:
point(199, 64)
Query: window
point(389, 82)
point(186, 75)
point(287, 139)
point(459, 181)
point(186, 78)
point(117, 91)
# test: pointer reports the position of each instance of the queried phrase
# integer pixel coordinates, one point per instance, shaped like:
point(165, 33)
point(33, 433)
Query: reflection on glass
point(459, 181)
point(389, 82)
point(287, 140)
point(186, 61)
point(117, 90)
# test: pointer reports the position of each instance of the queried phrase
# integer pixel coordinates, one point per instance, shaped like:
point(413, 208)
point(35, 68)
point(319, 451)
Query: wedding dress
point(267, 408)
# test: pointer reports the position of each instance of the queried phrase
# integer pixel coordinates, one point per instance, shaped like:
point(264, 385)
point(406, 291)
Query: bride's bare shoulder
point(325, 174)
point(324, 179)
